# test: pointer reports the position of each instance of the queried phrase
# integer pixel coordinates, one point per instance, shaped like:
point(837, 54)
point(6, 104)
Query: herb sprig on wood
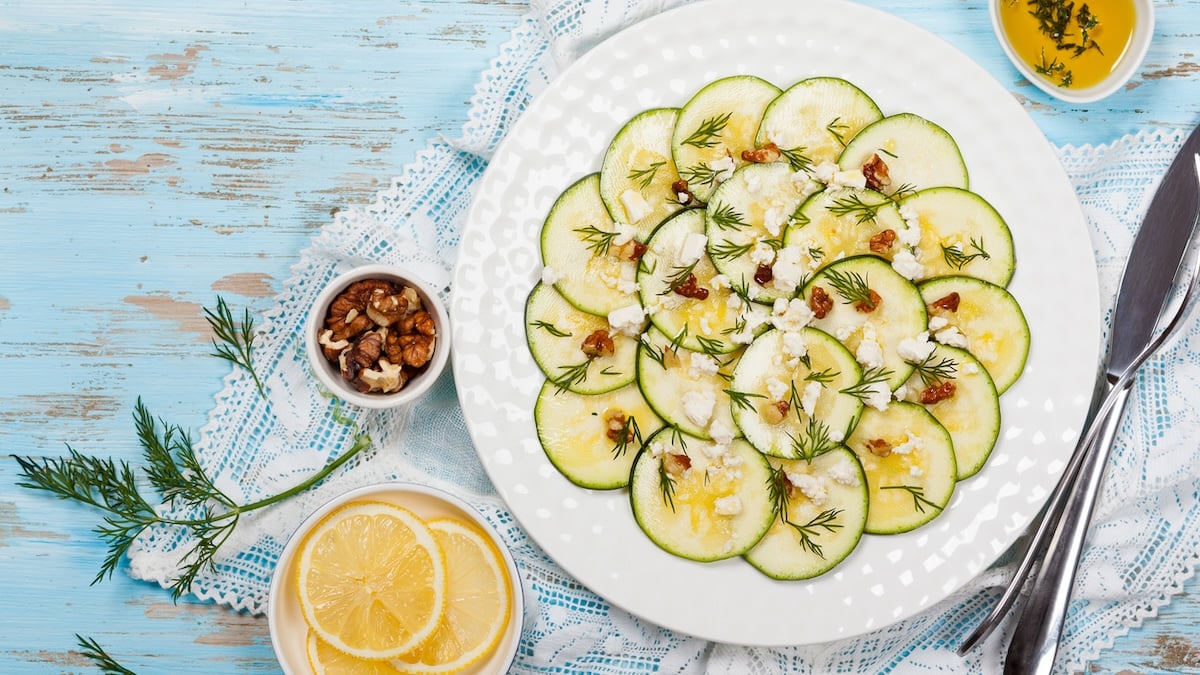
point(236, 338)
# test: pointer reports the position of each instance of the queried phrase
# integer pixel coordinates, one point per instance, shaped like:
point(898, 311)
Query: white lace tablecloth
point(1143, 547)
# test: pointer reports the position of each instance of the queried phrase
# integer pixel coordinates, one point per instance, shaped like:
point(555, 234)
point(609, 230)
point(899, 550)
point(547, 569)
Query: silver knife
point(1154, 262)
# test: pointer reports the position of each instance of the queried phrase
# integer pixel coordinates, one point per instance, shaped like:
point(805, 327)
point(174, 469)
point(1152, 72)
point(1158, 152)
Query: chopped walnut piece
point(882, 242)
point(869, 305)
point(876, 173)
point(763, 274)
point(879, 447)
point(598, 344)
point(938, 392)
point(385, 309)
point(775, 412)
point(767, 153)
point(631, 250)
point(670, 357)
point(683, 192)
point(362, 355)
point(616, 425)
point(820, 303)
point(390, 377)
point(676, 464)
point(690, 288)
point(948, 302)
point(329, 347)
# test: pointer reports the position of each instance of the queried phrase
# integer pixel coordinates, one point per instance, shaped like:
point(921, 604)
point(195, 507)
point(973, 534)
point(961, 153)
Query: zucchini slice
point(983, 318)
point(592, 263)
point(686, 388)
point(679, 285)
point(961, 234)
point(814, 119)
point(715, 127)
point(637, 174)
point(821, 509)
point(746, 220)
point(700, 500)
point(843, 222)
point(871, 309)
point(956, 388)
point(793, 405)
point(593, 440)
point(918, 154)
point(556, 332)
point(908, 459)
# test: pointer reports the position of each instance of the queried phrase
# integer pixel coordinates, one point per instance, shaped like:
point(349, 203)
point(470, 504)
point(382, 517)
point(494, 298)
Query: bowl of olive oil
point(1073, 50)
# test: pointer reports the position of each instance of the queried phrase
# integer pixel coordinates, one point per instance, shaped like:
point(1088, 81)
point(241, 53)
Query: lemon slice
point(478, 603)
point(325, 660)
point(372, 580)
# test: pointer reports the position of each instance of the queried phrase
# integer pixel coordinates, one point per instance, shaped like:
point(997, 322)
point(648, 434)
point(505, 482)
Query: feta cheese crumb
point(794, 344)
point(723, 168)
point(550, 276)
point(843, 473)
point(789, 268)
point(878, 396)
point(790, 314)
point(624, 232)
point(722, 434)
point(774, 219)
point(911, 442)
point(969, 368)
point(698, 406)
point(812, 487)
point(950, 336)
point(627, 320)
point(870, 354)
point(848, 178)
point(727, 506)
point(636, 206)
point(777, 389)
point(808, 401)
point(907, 265)
point(916, 348)
point(909, 236)
point(692, 248)
point(937, 323)
point(762, 254)
point(702, 364)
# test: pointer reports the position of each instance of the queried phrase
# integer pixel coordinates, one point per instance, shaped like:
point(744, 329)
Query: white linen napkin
point(1146, 536)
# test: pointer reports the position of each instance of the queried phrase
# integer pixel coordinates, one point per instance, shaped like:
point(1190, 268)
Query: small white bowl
point(1139, 44)
point(286, 621)
point(329, 374)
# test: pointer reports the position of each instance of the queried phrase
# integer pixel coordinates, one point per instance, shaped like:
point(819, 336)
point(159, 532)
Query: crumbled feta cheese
point(969, 368)
point(808, 400)
point(636, 206)
point(625, 233)
point(794, 344)
point(907, 265)
point(843, 473)
point(937, 323)
point(811, 486)
point(702, 364)
point(722, 434)
point(754, 184)
point(698, 406)
point(900, 392)
point(843, 333)
point(849, 178)
point(950, 336)
point(727, 506)
point(723, 168)
point(908, 212)
point(836, 436)
point(824, 172)
point(774, 218)
point(915, 470)
point(777, 389)
point(878, 396)
point(909, 236)
point(692, 248)
point(789, 269)
point(657, 448)
point(911, 442)
point(790, 314)
point(916, 348)
point(719, 281)
point(762, 254)
point(550, 275)
point(627, 320)
point(870, 354)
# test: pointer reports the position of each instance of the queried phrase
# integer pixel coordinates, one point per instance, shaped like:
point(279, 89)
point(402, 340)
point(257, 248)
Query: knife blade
point(1155, 259)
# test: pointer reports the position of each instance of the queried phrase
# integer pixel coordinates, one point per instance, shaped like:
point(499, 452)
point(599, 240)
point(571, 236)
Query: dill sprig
point(867, 383)
point(918, 495)
point(855, 206)
point(644, 177)
point(796, 159)
point(706, 134)
point(726, 217)
point(934, 374)
point(837, 128)
point(777, 487)
point(629, 433)
point(814, 441)
point(549, 328)
point(236, 338)
point(710, 346)
point(822, 376)
point(699, 174)
point(679, 277)
point(93, 651)
point(598, 240)
point(727, 249)
point(956, 258)
point(851, 286)
point(741, 399)
point(175, 474)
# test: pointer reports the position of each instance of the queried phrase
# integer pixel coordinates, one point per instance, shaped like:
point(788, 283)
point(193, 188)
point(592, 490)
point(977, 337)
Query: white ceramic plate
point(662, 62)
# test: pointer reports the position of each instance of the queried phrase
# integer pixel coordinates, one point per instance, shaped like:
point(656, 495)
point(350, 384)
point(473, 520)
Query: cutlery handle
point(1037, 631)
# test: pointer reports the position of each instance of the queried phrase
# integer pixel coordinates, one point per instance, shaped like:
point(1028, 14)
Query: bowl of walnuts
point(378, 336)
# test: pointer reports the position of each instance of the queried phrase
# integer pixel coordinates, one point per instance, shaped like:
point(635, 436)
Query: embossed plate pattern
point(662, 62)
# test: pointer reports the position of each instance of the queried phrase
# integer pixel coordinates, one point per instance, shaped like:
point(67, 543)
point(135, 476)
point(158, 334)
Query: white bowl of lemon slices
point(395, 577)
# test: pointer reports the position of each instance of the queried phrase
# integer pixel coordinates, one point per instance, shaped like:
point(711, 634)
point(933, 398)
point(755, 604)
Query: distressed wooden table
point(152, 158)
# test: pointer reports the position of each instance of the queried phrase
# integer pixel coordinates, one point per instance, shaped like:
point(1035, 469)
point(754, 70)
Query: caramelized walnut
point(882, 242)
point(763, 274)
point(879, 447)
point(937, 392)
point(870, 304)
point(683, 193)
point(676, 464)
point(767, 153)
point(616, 426)
point(876, 173)
point(775, 412)
point(691, 288)
point(598, 344)
point(820, 303)
point(948, 302)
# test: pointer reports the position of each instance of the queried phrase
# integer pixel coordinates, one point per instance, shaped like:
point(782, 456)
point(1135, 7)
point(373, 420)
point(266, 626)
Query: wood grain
point(153, 158)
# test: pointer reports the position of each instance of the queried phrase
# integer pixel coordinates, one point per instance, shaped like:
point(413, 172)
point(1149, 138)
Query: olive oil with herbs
point(1070, 43)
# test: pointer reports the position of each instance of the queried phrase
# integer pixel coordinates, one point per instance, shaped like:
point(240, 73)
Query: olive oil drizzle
point(1057, 19)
